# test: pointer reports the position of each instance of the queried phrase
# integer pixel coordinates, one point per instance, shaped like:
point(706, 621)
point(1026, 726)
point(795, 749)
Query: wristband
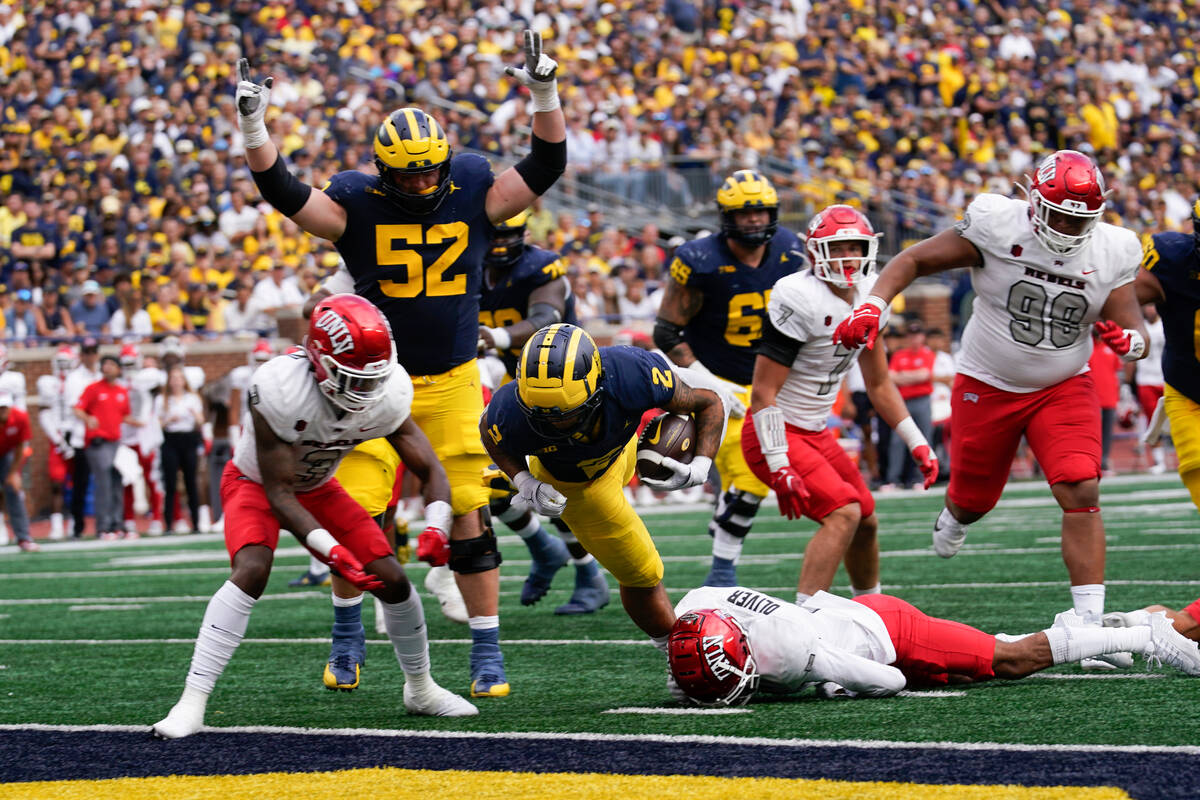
point(439, 515)
point(878, 302)
point(320, 541)
point(910, 433)
point(501, 338)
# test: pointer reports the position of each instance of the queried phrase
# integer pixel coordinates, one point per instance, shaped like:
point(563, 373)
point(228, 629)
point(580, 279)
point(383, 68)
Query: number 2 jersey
point(804, 308)
point(285, 392)
point(507, 302)
point(725, 330)
point(1031, 323)
point(423, 272)
point(1173, 259)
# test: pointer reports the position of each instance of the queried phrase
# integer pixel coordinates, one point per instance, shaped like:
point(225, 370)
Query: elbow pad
point(281, 188)
point(546, 162)
point(667, 335)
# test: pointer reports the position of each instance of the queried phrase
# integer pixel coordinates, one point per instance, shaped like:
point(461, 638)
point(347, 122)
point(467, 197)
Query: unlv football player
point(1044, 271)
point(797, 375)
point(306, 411)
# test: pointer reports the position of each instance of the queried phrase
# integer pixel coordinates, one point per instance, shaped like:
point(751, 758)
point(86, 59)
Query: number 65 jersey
point(285, 392)
point(1031, 323)
point(802, 307)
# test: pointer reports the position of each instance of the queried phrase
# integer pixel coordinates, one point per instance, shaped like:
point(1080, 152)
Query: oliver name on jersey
point(633, 382)
point(723, 333)
point(284, 392)
point(506, 303)
point(422, 272)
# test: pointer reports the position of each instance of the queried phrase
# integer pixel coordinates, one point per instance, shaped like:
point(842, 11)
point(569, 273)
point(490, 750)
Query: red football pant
point(929, 649)
point(1061, 424)
point(249, 520)
point(154, 494)
point(828, 473)
point(58, 467)
point(1148, 399)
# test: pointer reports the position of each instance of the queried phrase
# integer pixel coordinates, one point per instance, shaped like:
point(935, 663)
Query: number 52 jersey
point(285, 392)
point(1030, 327)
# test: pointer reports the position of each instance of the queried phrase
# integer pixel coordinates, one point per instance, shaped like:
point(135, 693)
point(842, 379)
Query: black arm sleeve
point(777, 346)
point(546, 162)
point(667, 334)
point(281, 188)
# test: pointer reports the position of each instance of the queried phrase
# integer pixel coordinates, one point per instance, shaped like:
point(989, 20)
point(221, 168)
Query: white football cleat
point(1125, 619)
point(434, 701)
point(1169, 646)
point(439, 582)
point(948, 534)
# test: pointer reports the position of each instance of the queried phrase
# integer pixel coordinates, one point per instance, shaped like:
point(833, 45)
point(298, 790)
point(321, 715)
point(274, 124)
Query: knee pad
point(735, 512)
point(468, 556)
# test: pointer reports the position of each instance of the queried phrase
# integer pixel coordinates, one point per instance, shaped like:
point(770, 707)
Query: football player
point(573, 412)
point(11, 380)
point(711, 319)
point(57, 422)
point(306, 411)
point(1148, 378)
point(413, 239)
point(145, 439)
point(526, 288)
point(797, 375)
point(1044, 271)
point(1168, 279)
point(727, 643)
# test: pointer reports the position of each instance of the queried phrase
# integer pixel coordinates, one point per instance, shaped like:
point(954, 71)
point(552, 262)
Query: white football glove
point(252, 101)
point(540, 497)
point(537, 74)
point(686, 475)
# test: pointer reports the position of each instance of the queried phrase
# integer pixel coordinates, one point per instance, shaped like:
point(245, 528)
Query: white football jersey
point(829, 638)
point(239, 378)
point(1149, 369)
point(285, 392)
point(1030, 326)
point(804, 308)
point(56, 417)
point(13, 381)
point(142, 383)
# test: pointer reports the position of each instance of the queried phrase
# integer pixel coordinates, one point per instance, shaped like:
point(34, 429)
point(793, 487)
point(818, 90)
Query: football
point(670, 435)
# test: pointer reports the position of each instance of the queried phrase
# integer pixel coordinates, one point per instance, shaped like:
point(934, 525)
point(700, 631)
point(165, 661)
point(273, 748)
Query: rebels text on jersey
point(1030, 326)
point(1173, 259)
point(286, 394)
point(506, 303)
point(802, 307)
point(728, 325)
point(422, 272)
point(633, 382)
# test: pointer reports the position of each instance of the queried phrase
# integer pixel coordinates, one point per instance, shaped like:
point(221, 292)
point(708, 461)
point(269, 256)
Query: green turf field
point(101, 633)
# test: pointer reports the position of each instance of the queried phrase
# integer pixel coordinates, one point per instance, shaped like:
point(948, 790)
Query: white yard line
point(677, 712)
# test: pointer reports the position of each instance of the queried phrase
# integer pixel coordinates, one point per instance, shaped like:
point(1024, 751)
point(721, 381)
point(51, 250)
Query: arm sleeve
point(858, 674)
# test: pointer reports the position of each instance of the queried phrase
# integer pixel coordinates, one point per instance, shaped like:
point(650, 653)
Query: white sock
point(1088, 599)
point(405, 623)
point(1070, 644)
point(947, 521)
point(221, 632)
point(316, 566)
point(726, 545)
point(346, 602)
point(660, 642)
point(802, 598)
point(876, 589)
point(583, 562)
point(483, 623)
point(56, 526)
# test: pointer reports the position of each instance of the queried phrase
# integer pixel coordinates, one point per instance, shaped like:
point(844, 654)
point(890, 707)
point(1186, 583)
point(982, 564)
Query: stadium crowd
point(129, 215)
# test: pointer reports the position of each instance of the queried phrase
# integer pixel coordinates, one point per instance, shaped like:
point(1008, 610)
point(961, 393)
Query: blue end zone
point(55, 755)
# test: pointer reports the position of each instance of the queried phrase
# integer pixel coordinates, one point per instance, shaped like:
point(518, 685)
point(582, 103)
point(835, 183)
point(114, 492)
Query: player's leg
point(80, 475)
point(1153, 635)
point(1184, 414)
point(742, 494)
point(251, 538)
point(348, 639)
point(591, 591)
point(1186, 620)
point(985, 429)
point(548, 554)
point(862, 557)
point(57, 469)
point(154, 489)
point(932, 651)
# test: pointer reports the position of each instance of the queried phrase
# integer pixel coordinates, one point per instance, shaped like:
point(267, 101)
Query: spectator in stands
point(130, 320)
point(103, 407)
point(90, 313)
point(180, 411)
point(53, 320)
point(242, 313)
point(15, 435)
point(911, 369)
point(20, 321)
point(166, 315)
point(274, 294)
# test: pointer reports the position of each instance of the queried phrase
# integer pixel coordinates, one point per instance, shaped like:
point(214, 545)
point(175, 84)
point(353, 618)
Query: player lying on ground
point(728, 641)
point(1186, 620)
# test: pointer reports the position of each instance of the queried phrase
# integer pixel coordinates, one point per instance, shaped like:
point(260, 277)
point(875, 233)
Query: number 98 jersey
point(423, 272)
point(1030, 326)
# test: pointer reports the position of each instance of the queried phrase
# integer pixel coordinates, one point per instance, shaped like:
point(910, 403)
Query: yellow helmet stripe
point(572, 351)
point(543, 366)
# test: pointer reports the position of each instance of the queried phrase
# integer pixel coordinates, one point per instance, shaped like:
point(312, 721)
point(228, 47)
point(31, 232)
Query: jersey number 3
point(421, 278)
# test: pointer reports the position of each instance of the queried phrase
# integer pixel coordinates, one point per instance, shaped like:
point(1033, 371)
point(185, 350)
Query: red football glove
point(1128, 344)
point(861, 327)
point(789, 491)
point(433, 546)
point(349, 568)
point(928, 462)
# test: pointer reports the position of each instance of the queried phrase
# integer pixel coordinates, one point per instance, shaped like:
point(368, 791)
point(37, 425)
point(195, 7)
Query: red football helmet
point(841, 223)
point(130, 355)
point(709, 657)
point(349, 344)
point(65, 359)
point(262, 351)
point(1067, 196)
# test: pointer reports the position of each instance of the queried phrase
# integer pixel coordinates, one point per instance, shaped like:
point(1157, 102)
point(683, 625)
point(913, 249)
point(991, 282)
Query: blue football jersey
point(633, 381)
point(422, 271)
point(725, 331)
point(506, 303)
point(1173, 259)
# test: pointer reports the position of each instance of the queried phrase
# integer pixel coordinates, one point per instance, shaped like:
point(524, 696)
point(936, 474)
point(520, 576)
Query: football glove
point(351, 569)
point(1126, 343)
point(790, 491)
point(541, 498)
point(538, 74)
point(687, 475)
point(928, 463)
point(862, 326)
point(433, 547)
point(252, 101)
